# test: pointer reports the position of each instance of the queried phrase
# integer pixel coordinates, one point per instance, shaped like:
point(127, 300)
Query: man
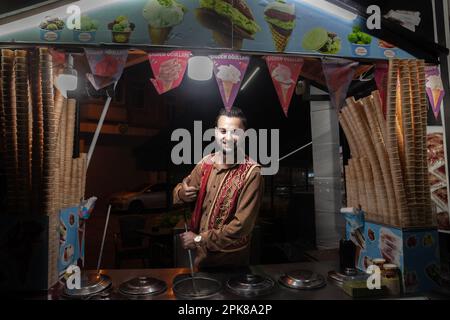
point(228, 195)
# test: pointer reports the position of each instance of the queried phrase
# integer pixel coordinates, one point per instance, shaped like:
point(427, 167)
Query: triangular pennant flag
point(229, 70)
point(435, 88)
point(381, 71)
point(168, 69)
point(338, 75)
point(284, 72)
point(106, 66)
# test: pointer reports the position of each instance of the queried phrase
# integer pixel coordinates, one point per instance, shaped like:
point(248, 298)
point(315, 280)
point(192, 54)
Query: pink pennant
point(284, 72)
point(229, 70)
point(168, 69)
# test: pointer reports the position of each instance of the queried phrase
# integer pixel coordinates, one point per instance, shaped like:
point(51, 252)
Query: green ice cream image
point(319, 39)
point(162, 16)
point(229, 21)
point(239, 14)
point(281, 19)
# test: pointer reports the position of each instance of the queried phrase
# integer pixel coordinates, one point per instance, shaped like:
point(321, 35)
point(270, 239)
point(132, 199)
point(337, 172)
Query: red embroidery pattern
point(225, 206)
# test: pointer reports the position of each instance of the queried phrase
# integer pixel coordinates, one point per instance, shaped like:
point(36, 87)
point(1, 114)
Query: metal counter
point(330, 291)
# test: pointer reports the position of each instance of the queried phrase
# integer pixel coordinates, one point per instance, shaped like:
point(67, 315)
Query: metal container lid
point(202, 286)
point(250, 285)
point(143, 286)
point(339, 278)
point(302, 279)
point(91, 284)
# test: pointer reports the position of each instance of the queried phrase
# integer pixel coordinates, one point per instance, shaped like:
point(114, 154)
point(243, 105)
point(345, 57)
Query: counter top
point(329, 292)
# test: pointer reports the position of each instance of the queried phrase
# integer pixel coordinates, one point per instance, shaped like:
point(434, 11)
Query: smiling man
point(227, 188)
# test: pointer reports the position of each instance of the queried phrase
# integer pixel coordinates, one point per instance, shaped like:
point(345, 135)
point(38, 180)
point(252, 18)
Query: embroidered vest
point(224, 208)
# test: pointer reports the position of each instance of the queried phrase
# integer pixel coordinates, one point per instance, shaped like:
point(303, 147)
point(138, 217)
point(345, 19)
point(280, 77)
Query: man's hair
point(234, 112)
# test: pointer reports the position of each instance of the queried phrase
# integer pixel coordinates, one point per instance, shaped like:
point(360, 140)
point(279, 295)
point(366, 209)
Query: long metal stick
point(103, 240)
point(190, 257)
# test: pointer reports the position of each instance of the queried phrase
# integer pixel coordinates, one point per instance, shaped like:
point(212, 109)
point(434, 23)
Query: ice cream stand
point(387, 175)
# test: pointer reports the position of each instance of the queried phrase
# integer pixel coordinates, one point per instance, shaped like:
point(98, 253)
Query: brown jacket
point(212, 251)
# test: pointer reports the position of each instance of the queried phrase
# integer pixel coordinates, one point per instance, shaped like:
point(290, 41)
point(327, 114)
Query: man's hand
point(187, 193)
point(187, 240)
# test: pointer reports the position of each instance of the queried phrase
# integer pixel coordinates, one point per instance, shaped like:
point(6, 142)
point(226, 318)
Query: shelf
point(444, 231)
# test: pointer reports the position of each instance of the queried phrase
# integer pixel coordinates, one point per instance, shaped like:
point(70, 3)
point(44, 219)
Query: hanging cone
point(280, 40)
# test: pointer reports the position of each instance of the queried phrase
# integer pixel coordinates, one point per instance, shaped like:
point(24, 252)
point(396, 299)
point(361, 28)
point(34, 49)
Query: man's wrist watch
point(198, 240)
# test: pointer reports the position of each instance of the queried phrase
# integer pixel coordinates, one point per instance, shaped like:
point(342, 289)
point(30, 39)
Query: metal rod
point(98, 129)
point(103, 239)
point(191, 265)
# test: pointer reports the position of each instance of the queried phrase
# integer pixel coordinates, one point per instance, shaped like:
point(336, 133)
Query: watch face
point(198, 238)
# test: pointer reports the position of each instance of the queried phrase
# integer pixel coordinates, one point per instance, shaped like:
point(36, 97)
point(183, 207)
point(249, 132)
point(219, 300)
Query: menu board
point(254, 25)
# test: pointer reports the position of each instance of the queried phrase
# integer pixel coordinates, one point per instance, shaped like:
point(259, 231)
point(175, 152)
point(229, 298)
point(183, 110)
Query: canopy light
point(252, 75)
point(68, 79)
point(200, 68)
point(332, 8)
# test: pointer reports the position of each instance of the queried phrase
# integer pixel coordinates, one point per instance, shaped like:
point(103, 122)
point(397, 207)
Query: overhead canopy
point(297, 27)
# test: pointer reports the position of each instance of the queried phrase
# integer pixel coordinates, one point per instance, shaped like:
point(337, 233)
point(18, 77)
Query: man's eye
point(223, 131)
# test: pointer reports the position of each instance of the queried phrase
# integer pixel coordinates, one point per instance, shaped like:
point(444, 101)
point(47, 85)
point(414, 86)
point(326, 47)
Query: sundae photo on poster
point(323, 41)
point(162, 16)
point(230, 21)
point(281, 19)
point(121, 29)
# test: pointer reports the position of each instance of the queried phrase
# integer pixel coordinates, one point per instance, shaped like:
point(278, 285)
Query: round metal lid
point(250, 285)
point(302, 279)
point(91, 283)
point(143, 286)
point(199, 287)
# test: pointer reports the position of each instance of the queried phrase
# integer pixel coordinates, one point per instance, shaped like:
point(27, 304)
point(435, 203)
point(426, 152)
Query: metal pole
point(98, 129)
point(103, 239)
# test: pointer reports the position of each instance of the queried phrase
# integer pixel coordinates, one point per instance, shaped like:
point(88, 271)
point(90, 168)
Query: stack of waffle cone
point(408, 138)
point(10, 128)
point(353, 184)
point(392, 141)
point(22, 102)
point(388, 208)
point(83, 174)
point(356, 110)
point(424, 168)
point(50, 132)
point(378, 107)
point(420, 187)
point(280, 40)
point(70, 126)
point(62, 155)
point(362, 193)
point(37, 134)
point(372, 207)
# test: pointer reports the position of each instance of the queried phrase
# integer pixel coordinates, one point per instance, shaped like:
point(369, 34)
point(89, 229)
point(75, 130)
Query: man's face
point(229, 131)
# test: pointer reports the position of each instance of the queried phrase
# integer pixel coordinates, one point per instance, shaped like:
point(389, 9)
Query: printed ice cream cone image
point(281, 19)
point(229, 21)
point(162, 16)
point(230, 76)
point(169, 71)
point(434, 83)
point(283, 75)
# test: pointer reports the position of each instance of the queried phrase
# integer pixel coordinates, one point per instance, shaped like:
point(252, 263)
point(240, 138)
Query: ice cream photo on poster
point(161, 17)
